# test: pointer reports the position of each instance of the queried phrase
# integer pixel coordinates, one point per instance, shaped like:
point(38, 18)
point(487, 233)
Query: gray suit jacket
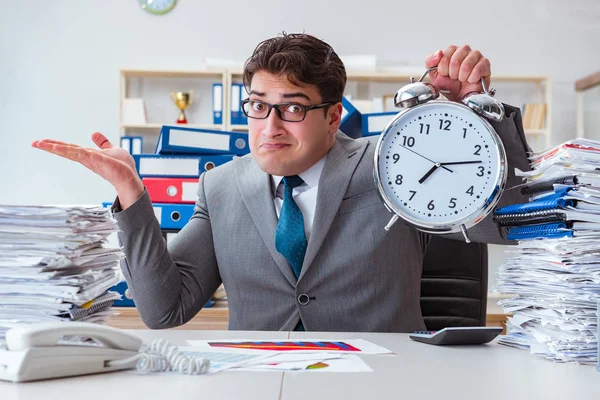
point(355, 276)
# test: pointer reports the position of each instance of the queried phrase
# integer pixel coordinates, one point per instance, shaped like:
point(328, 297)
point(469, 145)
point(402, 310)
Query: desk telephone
point(60, 349)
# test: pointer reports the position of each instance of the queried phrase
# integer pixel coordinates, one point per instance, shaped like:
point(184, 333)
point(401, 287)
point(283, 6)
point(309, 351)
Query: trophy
point(182, 100)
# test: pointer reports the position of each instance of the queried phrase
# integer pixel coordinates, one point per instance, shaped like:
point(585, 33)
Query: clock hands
point(428, 174)
point(461, 162)
point(421, 155)
point(438, 165)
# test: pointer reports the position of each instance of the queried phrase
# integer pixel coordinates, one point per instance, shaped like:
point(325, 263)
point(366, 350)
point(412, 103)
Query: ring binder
point(540, 231)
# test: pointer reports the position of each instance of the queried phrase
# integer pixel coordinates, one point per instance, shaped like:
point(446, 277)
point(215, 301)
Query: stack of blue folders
point(172, 173)
point(554, 271)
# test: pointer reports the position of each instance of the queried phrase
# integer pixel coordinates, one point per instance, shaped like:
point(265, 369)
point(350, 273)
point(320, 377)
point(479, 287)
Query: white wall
point(59, 61)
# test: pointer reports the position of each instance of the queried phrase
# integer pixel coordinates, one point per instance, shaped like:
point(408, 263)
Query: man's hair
point(303, 59)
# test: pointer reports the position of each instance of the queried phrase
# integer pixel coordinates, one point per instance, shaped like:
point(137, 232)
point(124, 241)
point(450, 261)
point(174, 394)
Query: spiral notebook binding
point(549, 202)
point(536, 192)
point(78, 313)
point(535, 217)
point(554, 230)
point(548, 186)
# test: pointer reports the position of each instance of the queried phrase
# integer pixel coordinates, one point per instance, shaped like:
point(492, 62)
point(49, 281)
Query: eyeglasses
point(290, 112)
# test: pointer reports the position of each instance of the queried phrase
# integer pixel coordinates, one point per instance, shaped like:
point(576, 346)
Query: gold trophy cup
point(182, 101)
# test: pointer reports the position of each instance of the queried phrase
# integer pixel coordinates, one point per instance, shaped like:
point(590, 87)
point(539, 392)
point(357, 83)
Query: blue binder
point(374, 123)
point(234, 100)
point(173, 166)
point(126, 143)
point(351, 120)
point(217, 103)
point(243, 95)
point(173, 216)
point(178, 140)
point(127, 298)
point(548, 202)
point(136, 144)
point(544, 231)
point(133, 144)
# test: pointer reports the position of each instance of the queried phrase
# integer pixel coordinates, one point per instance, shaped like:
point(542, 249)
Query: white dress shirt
point(304, 195)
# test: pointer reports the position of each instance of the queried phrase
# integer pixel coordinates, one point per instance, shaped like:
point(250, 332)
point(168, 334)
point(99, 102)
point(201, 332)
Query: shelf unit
point(234, 75)
point(585, 87)
point(154, 87)
point(512, 89)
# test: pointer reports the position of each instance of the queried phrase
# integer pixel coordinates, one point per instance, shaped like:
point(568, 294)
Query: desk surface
point(416, 371)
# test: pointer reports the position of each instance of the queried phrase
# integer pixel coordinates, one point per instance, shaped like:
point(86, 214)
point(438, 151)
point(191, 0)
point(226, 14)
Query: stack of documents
point(554, 271)
point(54, 265)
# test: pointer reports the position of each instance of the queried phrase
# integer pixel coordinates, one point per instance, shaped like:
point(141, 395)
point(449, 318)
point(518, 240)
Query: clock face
point(158, 6)
point(439, 165)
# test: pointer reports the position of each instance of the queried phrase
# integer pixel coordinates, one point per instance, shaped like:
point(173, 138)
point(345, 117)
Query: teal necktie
point(290, 239)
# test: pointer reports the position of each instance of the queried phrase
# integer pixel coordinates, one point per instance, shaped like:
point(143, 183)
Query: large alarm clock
point(440, 165)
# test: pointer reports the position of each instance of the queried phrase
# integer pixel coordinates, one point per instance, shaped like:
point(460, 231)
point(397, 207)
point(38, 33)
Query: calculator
point(460, 335)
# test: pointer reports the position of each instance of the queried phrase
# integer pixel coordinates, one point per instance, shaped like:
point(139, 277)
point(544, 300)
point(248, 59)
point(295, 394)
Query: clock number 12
point(445, 124)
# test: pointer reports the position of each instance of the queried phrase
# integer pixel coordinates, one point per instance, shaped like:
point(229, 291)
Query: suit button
point(303, 299)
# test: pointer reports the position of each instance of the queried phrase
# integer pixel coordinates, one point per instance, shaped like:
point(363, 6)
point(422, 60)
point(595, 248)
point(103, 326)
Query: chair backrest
point(454, 284)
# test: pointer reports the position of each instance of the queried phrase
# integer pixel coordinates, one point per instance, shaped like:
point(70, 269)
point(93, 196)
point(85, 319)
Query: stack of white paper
point(54, 265)
point(557, 280)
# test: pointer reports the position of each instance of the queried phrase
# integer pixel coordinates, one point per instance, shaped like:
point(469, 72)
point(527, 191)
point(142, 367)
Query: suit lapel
point(339, 167)
point(255, 190)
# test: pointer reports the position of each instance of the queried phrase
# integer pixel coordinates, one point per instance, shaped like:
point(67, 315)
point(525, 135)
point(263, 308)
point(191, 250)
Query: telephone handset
point(44, 351)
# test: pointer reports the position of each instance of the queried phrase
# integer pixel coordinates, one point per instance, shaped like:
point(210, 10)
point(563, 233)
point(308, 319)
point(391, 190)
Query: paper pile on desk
point(54, 265)
point(555, 269)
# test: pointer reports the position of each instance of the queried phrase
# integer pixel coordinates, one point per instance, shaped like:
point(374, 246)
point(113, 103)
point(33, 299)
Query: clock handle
point(392, 222)
point(464, 232)
point(412, 80)
point(424, 74)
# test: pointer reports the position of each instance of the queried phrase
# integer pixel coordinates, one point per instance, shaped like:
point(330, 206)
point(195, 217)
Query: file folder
point(244, 95)
point(136, 144)
point(217, 103)
point(351, 120)
point(374, 123)
point(132, 144)
point(178, 140)
point(126, 297)
point(236, 111)
point(172, 166)
point(172, 216)
point(171, 190)
point(126, 144)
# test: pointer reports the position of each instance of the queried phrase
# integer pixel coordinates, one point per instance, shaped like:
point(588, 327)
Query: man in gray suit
point(295, 229)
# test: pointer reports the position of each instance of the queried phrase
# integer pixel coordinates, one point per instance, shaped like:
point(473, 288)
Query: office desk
point(416, 371)
point(130, 385)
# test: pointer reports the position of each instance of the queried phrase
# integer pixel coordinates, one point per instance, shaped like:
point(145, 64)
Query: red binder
point(171, 190)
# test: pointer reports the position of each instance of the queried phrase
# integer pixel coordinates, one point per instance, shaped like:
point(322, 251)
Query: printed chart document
point(289, 355)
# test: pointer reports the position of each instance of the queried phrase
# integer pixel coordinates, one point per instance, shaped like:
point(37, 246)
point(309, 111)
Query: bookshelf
point(587, 90)
point(154, 87)
point(517, 90)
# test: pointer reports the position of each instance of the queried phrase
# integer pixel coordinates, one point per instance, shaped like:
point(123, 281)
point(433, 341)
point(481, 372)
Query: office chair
point(454, 284)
